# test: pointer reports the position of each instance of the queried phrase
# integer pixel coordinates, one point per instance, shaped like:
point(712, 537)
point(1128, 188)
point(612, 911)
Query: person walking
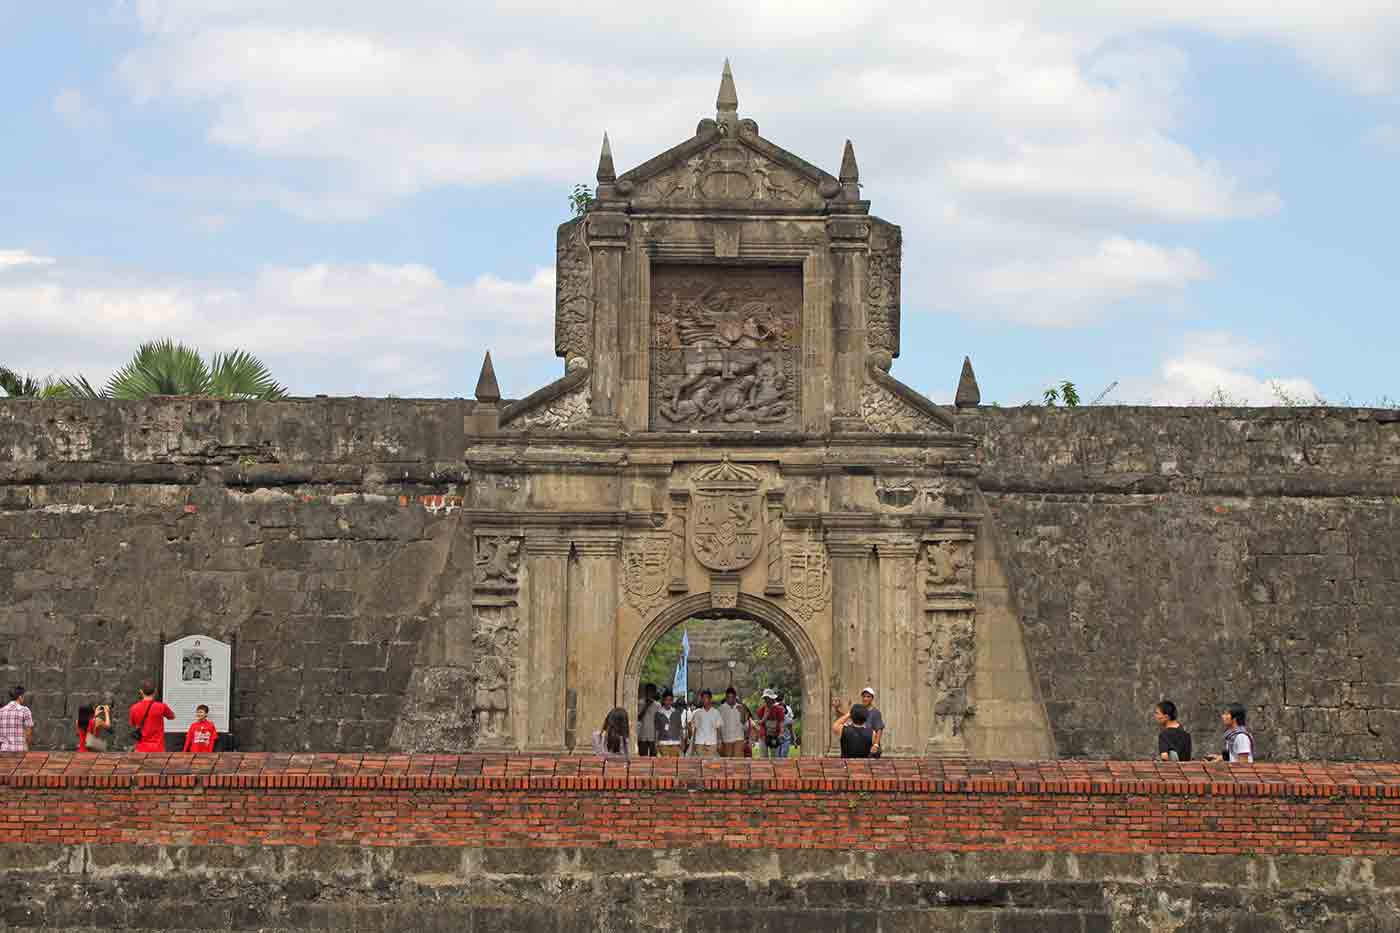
point(670, 729)
point(646, 723)
point(146, 717)
point(92, 722)
point(785, 738)
point(1239, 743)
point(731, 728)
point(705, 726)
point(750, 729)
point(16, 722)
point(1173, 742)
point(874, 722)
point(855, 737)
point(610, 742)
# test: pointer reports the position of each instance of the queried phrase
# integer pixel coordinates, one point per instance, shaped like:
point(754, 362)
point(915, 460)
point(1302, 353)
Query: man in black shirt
point(856, 740)
point(1173, 742)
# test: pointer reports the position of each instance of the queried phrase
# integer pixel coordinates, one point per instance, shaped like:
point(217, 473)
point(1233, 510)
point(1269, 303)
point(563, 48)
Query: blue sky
point(1190, 207)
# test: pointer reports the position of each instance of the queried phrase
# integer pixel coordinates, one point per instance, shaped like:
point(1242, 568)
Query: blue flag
point(682, 666)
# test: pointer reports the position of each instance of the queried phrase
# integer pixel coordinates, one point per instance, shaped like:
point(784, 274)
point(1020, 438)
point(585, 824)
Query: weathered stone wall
point(1203, 554)
point(322, 534)
point(1207, 556)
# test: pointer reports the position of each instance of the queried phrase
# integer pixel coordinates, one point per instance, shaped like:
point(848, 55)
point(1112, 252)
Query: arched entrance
point(789, 631)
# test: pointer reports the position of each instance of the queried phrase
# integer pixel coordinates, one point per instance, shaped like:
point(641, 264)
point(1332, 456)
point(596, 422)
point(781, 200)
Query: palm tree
point(16, 386)
point(164, 367)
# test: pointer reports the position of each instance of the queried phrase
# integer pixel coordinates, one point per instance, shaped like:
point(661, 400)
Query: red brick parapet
point(569, 802)
point(574, 772)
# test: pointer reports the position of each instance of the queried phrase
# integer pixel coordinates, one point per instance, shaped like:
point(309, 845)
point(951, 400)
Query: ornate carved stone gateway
point(726, 437)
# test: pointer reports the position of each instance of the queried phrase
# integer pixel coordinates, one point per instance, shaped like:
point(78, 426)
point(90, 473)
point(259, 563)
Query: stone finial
point(727, 102)
point(486, 388)
point(607, 174)
point(850, 173)
point(968, 395)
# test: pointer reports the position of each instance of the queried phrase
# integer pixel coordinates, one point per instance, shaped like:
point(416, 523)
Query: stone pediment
point(716, 168)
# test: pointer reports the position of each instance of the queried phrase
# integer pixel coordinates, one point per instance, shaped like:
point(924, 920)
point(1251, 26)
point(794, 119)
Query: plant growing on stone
point(164, 367)
point(1065, 392)
point(580, 199)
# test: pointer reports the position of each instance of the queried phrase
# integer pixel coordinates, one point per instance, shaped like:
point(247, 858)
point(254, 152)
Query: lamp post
point(732, 664)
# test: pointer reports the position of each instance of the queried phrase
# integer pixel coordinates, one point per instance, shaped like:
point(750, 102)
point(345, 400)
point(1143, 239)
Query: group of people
point(1174, 742)
point(669, 727)
point(94, 724)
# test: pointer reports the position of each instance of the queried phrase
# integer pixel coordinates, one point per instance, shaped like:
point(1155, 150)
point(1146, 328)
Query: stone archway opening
point(762, 623)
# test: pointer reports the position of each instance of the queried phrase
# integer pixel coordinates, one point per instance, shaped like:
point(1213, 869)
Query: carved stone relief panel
point(808, 579)
point(882, 289)
point(497, 637)
point(887, 413)
point(567, 411)
point(573, 294)
point(725, 347)
point(948, 568)
point(646, 570)
point(730, 171)
point(497, 562)
point(726, 516)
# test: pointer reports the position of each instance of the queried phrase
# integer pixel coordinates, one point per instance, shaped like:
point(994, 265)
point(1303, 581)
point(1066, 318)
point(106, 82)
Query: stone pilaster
point(595, 676)
point(853, 637)
point(497, 642)
point(546, 561)
point(849, 244)
point(898, 626)
point(774, 500)
point(607, 242)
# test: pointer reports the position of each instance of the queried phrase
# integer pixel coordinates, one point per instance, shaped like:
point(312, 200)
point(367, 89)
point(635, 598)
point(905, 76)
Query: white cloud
point(20, 257)
point(1221, 368)
point(365, 328)
point(1073, 287)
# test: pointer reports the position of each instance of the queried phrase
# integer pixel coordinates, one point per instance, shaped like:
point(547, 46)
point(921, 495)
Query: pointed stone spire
point(968, 395)
point(486, 388)
point(727, 102)
point(850, 173)
point(606, 173)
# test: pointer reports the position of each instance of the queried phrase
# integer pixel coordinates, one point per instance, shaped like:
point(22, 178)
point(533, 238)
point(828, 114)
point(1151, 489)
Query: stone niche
point(725, 347)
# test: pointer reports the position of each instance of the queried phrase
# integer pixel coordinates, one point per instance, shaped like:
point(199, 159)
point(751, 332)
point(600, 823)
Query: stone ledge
point(44, 770)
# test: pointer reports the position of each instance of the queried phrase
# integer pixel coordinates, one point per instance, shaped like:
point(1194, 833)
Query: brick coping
point(577, 773)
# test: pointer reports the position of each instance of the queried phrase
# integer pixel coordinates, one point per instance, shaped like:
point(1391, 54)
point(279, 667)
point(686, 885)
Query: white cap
point(769, 694)
point(869, 690)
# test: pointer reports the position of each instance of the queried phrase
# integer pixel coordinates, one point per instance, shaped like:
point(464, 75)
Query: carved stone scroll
point(730, 171)
point(774, 587)
point(882, 289)
point(573, 294)
point(725, 347)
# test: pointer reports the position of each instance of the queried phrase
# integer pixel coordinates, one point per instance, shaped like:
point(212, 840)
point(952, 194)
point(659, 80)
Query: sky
point(1167, 207)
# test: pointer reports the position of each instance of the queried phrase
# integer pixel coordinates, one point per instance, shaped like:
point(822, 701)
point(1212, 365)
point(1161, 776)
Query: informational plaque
point(198, 669)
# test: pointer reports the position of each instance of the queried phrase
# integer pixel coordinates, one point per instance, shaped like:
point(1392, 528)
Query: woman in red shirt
point(92, 722)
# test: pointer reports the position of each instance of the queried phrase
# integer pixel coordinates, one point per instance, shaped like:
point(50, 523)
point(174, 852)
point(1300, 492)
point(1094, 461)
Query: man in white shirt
point(705, 724)
point(731, 728)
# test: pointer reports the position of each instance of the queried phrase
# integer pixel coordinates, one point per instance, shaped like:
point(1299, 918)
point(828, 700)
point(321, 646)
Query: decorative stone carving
point(569, 410)
point(887, 413)
point(725, 347)
point(730, 171)
point(882, 289)
point(724, 590)
point(949, 566)
point(680, 505)
point(774, 586)
point(726, 525)
point(498, 561)
point(646, 567)
point(808, 580)
point(896, 494)
point(497, 645)
point(573, 294)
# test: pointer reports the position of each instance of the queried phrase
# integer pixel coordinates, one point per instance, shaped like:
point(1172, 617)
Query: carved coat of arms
point(808, 581)
point(646, 564)
point(726, 524)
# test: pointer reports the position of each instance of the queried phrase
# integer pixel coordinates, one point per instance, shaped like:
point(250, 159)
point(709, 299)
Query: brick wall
point(915, 805)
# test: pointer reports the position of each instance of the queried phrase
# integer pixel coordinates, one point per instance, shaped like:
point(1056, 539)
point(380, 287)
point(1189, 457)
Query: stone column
point(546, 561)
point(852, 642)
point(635, 405)
point(898, 655)
point(816, 341)
point(595, 657)
point(607, 241)
point(849, 244)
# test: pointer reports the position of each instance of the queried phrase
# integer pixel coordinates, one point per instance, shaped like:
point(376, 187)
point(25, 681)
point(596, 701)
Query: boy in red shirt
point(202, 734)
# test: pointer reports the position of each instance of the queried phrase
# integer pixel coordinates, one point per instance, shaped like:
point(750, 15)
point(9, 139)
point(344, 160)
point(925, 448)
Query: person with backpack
point(1239, 743)
point(145, 717)
point(92, 722)
point(770, 719)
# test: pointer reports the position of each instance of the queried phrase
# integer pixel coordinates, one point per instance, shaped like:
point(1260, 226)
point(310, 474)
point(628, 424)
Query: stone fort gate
point(727, 438)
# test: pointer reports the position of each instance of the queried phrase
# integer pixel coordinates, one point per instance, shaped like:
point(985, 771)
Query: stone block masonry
point(351, 842)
